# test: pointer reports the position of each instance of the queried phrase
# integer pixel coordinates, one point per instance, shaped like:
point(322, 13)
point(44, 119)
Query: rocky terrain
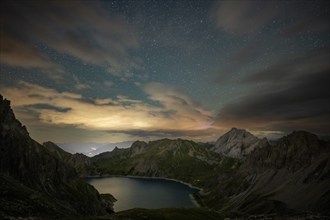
point(35, 182)
point(292, 175)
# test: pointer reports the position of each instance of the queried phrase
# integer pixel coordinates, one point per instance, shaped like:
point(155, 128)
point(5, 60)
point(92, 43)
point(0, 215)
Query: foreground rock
point(36, 183)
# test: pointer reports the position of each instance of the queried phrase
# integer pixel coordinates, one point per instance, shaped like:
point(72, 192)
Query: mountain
point(248, 176)
point(57, 151)
point(82, 164)
point(177, 159)
point(35, 181)
point(237, 143)
point(91, 148)
point(240, 175)
point(292, 175)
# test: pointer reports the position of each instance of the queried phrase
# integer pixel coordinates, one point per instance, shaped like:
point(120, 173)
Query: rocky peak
point(237, 143)
point(294, 151)
point(8, 122)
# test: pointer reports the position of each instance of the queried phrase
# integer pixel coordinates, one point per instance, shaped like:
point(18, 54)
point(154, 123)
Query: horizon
point(117, 71)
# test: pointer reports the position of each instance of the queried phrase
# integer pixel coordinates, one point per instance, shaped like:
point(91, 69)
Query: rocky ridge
point(35, 182)
point(83, 165)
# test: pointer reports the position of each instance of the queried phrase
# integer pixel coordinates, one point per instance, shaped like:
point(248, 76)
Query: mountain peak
point(302, 135)
point(237, 130)
point(8, 121)
point(237, 143)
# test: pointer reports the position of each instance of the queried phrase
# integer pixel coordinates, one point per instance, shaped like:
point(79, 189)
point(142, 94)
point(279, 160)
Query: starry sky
point(111, 71)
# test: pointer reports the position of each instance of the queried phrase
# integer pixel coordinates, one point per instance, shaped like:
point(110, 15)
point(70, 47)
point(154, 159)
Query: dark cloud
point(210, 133)
point(236, 62)
point(81, 29)
point(307, 25)
point(17, 53)
point(290, 95)
point(292, 68)
point(252, 16)
point(244, 16)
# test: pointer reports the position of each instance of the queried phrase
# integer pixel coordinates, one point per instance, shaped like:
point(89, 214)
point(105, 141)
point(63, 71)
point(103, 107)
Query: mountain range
point(91, 148)
point(239, 176)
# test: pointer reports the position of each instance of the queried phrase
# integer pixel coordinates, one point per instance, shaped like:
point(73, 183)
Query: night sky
point(110, 71)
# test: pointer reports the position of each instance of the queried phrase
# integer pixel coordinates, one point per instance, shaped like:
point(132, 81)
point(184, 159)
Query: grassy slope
point(178, 159)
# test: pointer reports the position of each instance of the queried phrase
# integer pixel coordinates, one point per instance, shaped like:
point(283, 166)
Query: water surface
point(144, 193)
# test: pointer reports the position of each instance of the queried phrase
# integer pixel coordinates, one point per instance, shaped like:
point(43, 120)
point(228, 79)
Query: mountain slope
point(34, 181)
point(82, 164)
point(291, 175)
point(178, 159)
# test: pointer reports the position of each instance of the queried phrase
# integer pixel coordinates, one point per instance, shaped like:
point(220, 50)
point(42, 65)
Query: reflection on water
point(144, 193)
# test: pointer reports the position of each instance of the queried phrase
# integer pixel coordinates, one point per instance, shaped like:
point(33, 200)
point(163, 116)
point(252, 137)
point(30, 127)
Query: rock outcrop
point(35, 182)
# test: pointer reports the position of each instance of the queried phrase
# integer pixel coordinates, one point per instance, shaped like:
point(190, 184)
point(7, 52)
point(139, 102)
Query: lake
point(132, 192)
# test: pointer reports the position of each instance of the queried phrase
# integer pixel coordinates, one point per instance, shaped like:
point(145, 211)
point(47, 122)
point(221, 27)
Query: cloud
point(17, 53)
point(108, 83)
point(171, 112)
point(83, 30)
point(287, 96)
point(244, 16)
point(311, 25)
point(79, 85)
point(237, 61)
point(178, 104)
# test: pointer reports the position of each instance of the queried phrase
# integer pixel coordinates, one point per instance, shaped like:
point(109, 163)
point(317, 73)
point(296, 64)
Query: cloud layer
point(172, 111)
point(293, 94)
point(84, 31)
point(248, 17)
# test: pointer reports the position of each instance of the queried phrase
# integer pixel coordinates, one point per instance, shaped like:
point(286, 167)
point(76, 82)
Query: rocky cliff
point(35, 182)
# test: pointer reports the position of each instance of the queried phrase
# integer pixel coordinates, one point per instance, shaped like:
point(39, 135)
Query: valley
point(287, 177)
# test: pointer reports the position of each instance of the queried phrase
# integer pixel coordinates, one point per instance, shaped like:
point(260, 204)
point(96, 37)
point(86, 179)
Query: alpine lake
point(150, 193)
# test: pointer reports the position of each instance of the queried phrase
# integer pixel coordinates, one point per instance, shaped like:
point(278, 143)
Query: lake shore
point(192, 197)
point(146, 177)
